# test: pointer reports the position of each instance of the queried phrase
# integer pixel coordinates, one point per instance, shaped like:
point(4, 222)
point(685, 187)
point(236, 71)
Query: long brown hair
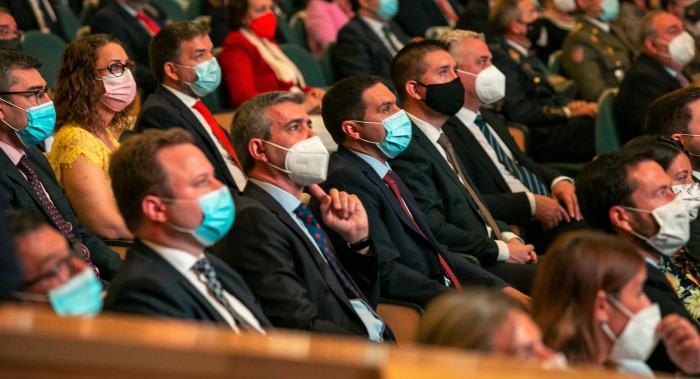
point(575, 268)
point(77, 94)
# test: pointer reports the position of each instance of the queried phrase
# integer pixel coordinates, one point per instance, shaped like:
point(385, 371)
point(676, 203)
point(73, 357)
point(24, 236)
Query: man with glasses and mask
point(562, 129)
point(182, 61)
point(27, 117)
point(10, 36)
point(53, 271)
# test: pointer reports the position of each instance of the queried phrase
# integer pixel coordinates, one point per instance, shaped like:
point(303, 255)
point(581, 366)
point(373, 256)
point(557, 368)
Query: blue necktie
point(319, 236)
point(527, 177)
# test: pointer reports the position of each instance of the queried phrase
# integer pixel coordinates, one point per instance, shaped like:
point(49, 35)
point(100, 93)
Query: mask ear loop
point(279, 147)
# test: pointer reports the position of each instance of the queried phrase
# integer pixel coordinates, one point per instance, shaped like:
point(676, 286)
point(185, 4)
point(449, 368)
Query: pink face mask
point(119, 91)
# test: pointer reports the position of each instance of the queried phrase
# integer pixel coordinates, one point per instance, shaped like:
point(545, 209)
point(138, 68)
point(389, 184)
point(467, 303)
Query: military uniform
point(595, 59)
point(531, 100)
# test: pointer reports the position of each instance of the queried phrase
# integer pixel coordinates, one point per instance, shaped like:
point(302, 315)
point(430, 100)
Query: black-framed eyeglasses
point(117, 68)
point(75, 252)
point(7, 33)
point(38, 93)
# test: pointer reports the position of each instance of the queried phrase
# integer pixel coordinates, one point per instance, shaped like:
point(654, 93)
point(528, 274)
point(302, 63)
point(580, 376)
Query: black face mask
point(692, 12)
point(11, 44)
point(446, 98)
point(534, 29)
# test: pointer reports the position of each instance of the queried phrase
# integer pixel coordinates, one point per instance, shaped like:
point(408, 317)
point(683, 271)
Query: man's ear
point(619, 217)
point(411, 88)
point(171, 71)
point(256, 149)
point(351, 129)
point(153, 208)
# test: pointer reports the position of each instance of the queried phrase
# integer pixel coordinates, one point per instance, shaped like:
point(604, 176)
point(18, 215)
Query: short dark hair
point(604, 183)
point(670, 113)
point(409, 62)
point(663, 149)
point(236, 11)
point(136, 172)
point(502, 13)
point(355, 4)
point(252, 121)
point(22, 221)
point(345, 101)
point(166, 46)
point(11, 60)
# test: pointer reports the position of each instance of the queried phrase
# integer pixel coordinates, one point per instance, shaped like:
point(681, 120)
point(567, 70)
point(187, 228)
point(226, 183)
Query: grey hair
point(501, 15)
point(13, 60)
point(646, 27)
point(454, 38)
point(252, 121)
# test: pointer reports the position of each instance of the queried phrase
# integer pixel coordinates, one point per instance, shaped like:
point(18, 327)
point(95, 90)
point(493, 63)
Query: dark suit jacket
point(26, 20)
point(530, 98)
point(115, 20)
point(358, 51)
point(409, 265)
point(659, 290)
point(452, 214)
point(693, 244)
point(416, 16)
point(513, 208)
point(149, 285)
point(296, 287)
point(163, 110)
point(645, 81)
point(16, 193)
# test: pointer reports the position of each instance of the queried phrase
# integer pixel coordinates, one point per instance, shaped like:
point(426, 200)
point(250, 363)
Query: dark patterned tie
point(319, 236)
point(204, 268)
point(64, 226)
point(527, 177)
point(391, 182)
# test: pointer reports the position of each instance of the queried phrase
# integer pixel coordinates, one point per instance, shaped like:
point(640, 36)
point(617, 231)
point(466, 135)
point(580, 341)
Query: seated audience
point(253, 63)
point(361, 114)
point(588, 300)
point(430, 93)
point(171, 201)
point(483, 321)
point(324, 18)
point(656, 72)
point(689, 13)
point(10, 35)
point(627, 194)
point(518, 190)
point(27, 117)
point(52, 270)
point(557, 20)
point(133, 23)
point(596, 52)
point(182, 61)
point(416, 16)
point(369, 41)
point(37, 15)
point(561, 129)
point(94, 96)
point(278, 245)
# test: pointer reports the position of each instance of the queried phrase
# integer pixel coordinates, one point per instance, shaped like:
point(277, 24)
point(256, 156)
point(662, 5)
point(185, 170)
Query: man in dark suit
point(26, 178)
point(562, 130)
point(518, 190)
point(41, 15)
point(415, 267)
point(278, 245)
point(654, 73)
point(616, 191)
point(175, 104)
point(431, 92)
point(166, 190)
point(134, 23)
point(416, 16)
point(367, 43)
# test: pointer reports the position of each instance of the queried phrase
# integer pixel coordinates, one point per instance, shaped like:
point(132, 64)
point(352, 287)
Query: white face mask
point(690, 194)
point(306, 162)
point(490, 84)
point(681, 49)
point(674, 227)
point(638, 339)
point(566, 6)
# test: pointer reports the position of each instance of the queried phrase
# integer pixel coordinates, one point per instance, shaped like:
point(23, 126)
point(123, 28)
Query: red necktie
point(391, 182)
point(218, 132)
point(152, 26)
point(447, 10)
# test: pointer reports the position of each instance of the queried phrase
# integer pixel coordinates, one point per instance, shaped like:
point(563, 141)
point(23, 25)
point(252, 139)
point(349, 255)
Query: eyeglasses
point(38, 93)
point(117, 69)
point(75, 252)
point(7, 33)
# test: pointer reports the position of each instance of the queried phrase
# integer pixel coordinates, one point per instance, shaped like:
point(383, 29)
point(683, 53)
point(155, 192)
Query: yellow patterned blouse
point(72, 141)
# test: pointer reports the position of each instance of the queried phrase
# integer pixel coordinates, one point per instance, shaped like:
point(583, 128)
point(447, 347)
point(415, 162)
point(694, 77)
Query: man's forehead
point(648, 174)
point(284, 112)
point(378, 94)
point(25, 78)
point(663, 21)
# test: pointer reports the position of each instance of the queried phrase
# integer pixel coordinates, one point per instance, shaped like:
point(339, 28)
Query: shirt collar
point(430, 131)
point(180, 259)
point(188, 100)
point(466, 116)
point(12, 153)
point(284, 198)
point(128, 9)
point(380, 168)
point(671, 71)
point(600, 24)
point(520, 48)
point(376, 25)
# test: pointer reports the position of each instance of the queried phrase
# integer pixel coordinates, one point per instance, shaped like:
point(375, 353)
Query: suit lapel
point(375, 40)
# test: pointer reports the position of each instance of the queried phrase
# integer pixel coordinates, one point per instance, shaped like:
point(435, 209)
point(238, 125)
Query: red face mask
point(265, 25)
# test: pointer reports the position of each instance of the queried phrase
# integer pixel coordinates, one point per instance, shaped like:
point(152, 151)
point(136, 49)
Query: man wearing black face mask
point(10, 36)
point(431, 92)
point(562, 129)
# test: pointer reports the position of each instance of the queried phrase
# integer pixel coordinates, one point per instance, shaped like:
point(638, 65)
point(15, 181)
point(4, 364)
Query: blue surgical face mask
point(388, 9)
point(398, 134)
point(41, 120)
point(218, 211)
point(208, 77)
point(611, 9)
point(81, 295)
